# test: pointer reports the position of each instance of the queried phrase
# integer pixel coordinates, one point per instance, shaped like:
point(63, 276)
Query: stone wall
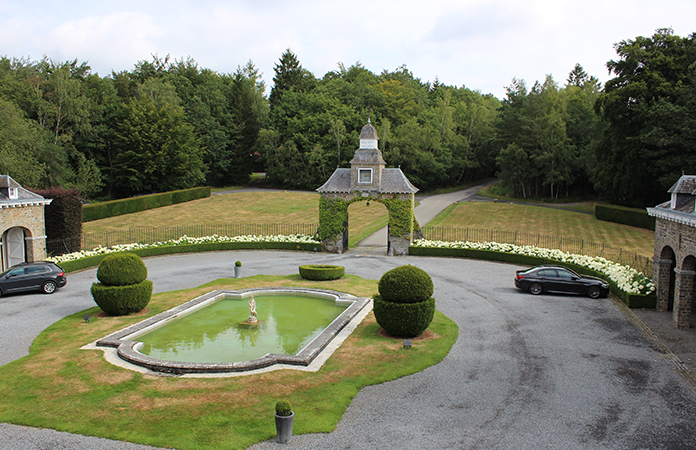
point(674, 259)
point(31, 219)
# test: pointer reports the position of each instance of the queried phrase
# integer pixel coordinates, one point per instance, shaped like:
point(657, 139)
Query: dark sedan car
point(560, 279)
point(32, 276)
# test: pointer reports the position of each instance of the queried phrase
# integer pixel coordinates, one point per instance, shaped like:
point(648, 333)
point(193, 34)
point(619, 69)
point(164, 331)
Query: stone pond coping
point(126, 345)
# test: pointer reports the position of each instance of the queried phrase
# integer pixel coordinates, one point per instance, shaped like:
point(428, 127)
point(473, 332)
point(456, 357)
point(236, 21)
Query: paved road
point(526, 372)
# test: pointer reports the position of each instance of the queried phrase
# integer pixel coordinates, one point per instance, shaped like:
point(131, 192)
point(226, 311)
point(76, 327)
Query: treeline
point(171, 125)
point(162, 126)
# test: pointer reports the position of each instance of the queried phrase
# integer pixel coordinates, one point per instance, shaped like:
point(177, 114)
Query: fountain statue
point(252, 310)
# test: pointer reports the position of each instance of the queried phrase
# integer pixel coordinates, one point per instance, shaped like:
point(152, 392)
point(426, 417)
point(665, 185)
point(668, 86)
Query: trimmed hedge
point(121, 269)
point(406, 284)
point(63, 217)
point(631, 300)
point(404, 320)
point(627, 216)
point(91, 261)
point(130, 205)
point(122, 300)
point(321, 273)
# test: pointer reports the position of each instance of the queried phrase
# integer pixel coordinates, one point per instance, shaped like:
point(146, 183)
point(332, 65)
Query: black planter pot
point(284, 427)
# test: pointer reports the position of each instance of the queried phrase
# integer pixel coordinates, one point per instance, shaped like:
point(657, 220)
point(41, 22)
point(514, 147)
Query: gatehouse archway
point(368, 179)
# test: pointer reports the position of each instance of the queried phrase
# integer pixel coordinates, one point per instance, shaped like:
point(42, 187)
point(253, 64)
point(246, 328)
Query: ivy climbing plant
point(333, 213)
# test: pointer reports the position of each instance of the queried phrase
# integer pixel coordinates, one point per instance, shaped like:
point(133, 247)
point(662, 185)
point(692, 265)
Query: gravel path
point(527, 372)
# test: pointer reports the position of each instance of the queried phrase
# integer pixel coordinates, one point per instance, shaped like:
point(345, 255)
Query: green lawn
point(546, 221)
point(303, 207)
point(247, 207)
point(61, 387)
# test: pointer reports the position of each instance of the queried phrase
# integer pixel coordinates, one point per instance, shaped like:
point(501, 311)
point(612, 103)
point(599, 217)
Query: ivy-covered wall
point(333, 213)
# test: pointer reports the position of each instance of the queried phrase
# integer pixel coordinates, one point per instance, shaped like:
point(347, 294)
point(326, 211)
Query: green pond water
point(219, 333)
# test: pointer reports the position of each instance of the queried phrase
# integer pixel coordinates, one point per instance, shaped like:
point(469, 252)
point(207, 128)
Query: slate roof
point(367, 156)
point(686, 184)
point(393, 182)
point(25, 197)
point(338, 182)
point(368, 131)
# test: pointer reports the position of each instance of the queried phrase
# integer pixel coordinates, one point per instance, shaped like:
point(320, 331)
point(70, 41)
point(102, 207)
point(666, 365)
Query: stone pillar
point(333, 245)
point(398, 246)
point(661, 275)
point(683, 298)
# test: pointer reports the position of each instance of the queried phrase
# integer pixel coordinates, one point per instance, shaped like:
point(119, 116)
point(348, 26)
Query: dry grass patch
point(241, 207)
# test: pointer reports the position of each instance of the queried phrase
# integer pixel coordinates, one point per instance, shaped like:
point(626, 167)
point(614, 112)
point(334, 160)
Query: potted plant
point(283, 418)
point(238, 269)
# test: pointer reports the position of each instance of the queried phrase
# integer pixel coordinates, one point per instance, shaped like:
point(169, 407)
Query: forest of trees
point(171, 124)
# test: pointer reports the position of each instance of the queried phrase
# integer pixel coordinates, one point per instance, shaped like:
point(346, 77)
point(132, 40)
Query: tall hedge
point(63, 216)
point(626, 216)
point(130, 205)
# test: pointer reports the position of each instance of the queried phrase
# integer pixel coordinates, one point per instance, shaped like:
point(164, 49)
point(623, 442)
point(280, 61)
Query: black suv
point(32, 276)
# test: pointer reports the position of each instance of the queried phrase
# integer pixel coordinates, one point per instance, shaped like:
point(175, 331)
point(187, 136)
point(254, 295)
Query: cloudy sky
point(478, 44)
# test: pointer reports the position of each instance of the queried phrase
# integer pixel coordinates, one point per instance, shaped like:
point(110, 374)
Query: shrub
point(63, 216)
point(283, 408)
point(406, 284)
point(238, 263)
point(404, 306)
point(122, 300)
point(627, 216)
point(130, 205)
point(121, 269)
point(123, 288)
point(404, 319)
point(321, 273)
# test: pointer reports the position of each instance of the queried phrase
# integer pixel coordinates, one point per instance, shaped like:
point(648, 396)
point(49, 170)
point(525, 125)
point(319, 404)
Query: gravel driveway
point(527, 372)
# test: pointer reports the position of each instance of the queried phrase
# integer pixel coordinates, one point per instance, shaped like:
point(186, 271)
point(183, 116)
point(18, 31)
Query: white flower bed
point(185, 240)
point(626, 278)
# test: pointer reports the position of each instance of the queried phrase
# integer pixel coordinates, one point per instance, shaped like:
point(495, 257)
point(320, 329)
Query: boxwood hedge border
point(92, 261)
point(631, 300)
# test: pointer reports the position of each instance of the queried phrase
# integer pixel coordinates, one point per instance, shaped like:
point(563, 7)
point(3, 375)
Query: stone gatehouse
point(22, 224)
point(674, 265)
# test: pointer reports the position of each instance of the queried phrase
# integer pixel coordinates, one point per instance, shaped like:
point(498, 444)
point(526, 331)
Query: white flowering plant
point(186, 240)
point(626, 278)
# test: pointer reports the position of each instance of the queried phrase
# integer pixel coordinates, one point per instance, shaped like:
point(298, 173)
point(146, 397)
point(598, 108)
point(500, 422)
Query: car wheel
point(593, 292)
point(535, 288)
point(49, 287)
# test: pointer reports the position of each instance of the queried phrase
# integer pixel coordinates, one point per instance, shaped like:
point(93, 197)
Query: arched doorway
point(367, 180)
point(664, 271)
point(367, 224)
point(13, 247)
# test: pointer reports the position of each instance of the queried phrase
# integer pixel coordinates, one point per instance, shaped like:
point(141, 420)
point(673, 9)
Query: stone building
point(22, 224)
point(368, 179)
point(675, 251)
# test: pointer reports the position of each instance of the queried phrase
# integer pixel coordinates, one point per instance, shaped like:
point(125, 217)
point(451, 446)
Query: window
point(14, 193)
point(365, 176)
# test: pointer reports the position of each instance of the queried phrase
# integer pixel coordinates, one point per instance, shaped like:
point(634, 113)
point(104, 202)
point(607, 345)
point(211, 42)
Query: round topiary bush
point(123, 288)
point(122, 300)
point(404, 320)
point(321, 272)
point(121, 269)
point(404, 306)
point(406, 284)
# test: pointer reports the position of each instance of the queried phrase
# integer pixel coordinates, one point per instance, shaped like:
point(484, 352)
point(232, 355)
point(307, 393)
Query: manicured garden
point(62, 387)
